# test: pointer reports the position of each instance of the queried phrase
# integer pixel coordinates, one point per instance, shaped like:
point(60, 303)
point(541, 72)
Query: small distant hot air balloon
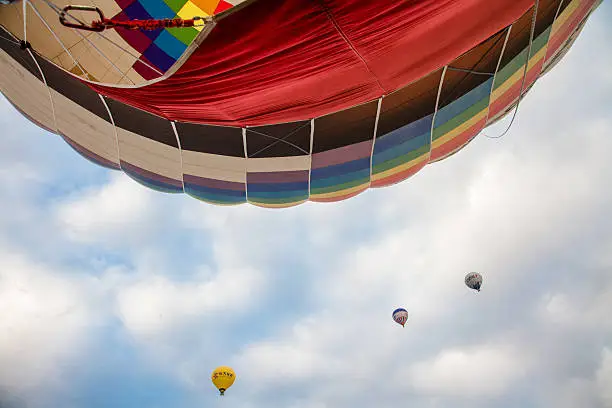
point(223, 377)
point(473, 280)
point(400, 316)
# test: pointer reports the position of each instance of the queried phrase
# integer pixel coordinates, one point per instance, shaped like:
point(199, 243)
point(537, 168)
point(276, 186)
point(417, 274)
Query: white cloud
point(119, 210)
point(573, 392)
point(153, 304)
point(303, 352)
point(592, 390)
point(559, 309)
point(585, 307)
point(482, 371)
point(604, 378)
point(45, 322)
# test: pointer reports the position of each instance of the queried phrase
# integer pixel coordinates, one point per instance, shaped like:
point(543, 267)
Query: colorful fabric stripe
point(215, 191)
point(566, 23)
point(162, 48)
point(277, 189)
point(340, 173)
point(89, 155)
point(509, 79)
point(401, 153)
point(152, 180)
point(460, 121)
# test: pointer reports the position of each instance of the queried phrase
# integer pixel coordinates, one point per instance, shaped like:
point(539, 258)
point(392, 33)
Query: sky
point(113, 295)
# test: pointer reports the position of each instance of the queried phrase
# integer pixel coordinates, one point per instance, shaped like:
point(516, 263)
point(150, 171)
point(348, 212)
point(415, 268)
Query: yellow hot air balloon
point(223, 377)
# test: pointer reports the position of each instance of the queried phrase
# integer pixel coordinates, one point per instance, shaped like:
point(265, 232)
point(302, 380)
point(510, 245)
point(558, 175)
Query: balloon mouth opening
point(222, 391)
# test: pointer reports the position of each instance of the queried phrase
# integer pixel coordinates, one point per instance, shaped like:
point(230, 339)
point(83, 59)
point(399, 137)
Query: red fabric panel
point(287, 60)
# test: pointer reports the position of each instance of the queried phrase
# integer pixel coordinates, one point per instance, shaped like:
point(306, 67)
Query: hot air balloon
point(223, 377)
point(400, 316)
point(473, 280)
point(276, 102)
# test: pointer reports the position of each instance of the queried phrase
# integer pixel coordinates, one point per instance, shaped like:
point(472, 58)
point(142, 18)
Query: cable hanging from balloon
point(104, 23)
point(526, 70)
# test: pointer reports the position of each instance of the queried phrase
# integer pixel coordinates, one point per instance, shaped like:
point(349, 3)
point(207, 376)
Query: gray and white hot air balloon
point(473, 280)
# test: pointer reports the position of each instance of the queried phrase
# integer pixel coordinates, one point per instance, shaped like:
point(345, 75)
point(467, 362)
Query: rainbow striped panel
point(401, 153)
point(215, 191)
point(340, 173)
point(509, 79)
point(162, 48)
point(277, 189)
point(460, 121)
point(152, 180)
point(566, 23)
point(89, 155)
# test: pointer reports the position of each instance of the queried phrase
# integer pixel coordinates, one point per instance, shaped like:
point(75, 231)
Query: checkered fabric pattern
point(161, 48)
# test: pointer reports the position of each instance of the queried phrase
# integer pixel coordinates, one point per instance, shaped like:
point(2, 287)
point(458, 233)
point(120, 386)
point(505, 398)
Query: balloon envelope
point(400, 316)
point(473, 280)
point(279, 102)
point(223, 377)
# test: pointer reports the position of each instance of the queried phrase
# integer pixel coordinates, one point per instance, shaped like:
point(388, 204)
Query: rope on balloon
point(105, 23)
point(58, 11)
point(533, 25)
